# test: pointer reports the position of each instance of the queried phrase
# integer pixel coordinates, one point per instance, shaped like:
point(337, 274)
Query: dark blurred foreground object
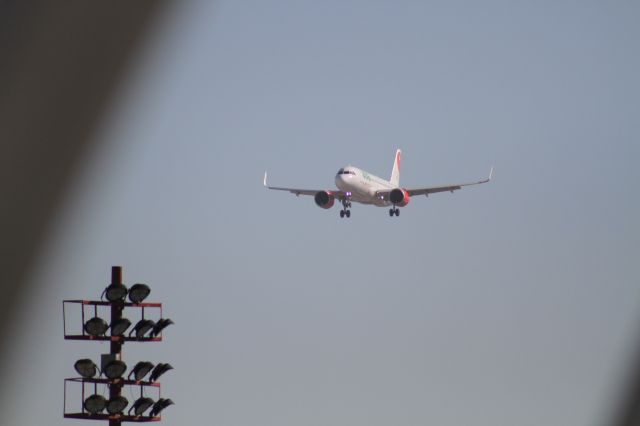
point(626, 410)
point(60, 65)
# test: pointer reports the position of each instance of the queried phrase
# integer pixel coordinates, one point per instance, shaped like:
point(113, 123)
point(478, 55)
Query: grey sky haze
point(513, 303)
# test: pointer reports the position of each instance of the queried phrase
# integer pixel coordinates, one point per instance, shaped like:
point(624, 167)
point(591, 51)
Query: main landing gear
point(346, 205)
point(393, 211)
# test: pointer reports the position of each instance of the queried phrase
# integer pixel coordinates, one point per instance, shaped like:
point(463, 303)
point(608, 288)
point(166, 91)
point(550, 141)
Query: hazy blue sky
point(513, 303)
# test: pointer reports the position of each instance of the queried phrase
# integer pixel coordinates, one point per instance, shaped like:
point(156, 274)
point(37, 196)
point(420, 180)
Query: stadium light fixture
point(115, 292)
point(96, 326)
point(159, 406)
point(160, 325)
point(159, 370)
point(140, 370)
point(95, 404)
point(117, 404)
point(86, 368)
point(138, 292)
point(114, 369)
point(142, 327)
point(141, 405)
point(119, 326)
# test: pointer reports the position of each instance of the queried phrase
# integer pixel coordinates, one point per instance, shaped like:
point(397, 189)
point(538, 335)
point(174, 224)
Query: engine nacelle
point(324, 199)
point(399, 197)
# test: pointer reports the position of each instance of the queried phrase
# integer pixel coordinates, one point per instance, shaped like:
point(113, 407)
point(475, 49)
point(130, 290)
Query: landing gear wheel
point(345, 208)
point(397, 212)
point(391, 211)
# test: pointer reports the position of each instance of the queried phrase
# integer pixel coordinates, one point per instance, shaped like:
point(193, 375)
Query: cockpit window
point(346, 172)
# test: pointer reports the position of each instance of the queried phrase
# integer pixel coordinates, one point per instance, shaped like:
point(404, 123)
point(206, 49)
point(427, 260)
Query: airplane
point(357, 185)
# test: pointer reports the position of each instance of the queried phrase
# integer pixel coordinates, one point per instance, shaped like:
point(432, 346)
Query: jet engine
point(324, 199)
point(399, 197)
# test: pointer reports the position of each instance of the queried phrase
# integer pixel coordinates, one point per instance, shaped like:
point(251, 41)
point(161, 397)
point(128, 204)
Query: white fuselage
point(362, 186)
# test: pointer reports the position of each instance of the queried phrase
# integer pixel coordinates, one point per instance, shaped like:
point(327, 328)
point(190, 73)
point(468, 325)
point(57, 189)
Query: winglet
point(264, 181)
point(489, 178)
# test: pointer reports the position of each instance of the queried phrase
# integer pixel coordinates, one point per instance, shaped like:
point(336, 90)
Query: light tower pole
point(115, 389)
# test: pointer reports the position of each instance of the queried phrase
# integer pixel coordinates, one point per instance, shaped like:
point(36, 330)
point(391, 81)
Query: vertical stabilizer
point(395, 173)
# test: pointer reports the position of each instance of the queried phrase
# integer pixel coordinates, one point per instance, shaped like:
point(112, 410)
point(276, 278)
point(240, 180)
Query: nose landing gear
point(346, 205)
point(393, 211)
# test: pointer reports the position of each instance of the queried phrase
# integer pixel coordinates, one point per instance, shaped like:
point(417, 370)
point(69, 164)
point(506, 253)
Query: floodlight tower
point(112, 366)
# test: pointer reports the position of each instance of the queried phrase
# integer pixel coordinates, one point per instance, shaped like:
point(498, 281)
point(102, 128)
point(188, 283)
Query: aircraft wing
point(434, 189)
point(336, 193)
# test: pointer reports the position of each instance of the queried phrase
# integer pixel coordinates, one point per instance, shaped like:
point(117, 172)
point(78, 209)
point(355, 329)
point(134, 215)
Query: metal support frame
point(95, 304)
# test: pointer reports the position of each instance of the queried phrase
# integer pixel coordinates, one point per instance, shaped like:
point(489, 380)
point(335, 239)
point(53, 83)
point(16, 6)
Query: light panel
point(141, 405)
point(142, 327)
point(114, 369)
point(96, 326)
point(115, 292)
point(86, 368)
point(159, 370)
point(161, 325)
point(119, 326)
point(141, 369)
point(138, 292)
point(95, 404)
point(117, 404)
point(159, 406)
